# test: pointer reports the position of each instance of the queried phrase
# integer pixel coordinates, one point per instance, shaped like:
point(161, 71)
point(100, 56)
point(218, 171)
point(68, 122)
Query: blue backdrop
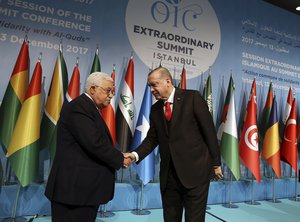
point(246, 38)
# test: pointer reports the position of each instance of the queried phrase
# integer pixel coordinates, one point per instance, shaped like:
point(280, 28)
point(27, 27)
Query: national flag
point(271, 147)
point(266, 112)
point(252, 93)
point(204, 90)
point(208, 94)
point(55, 99)
point(221, 102)
point(243, 107)
point(229, 140)
point(23, 149)
point(14, 95)
point(145, 169)
point(125, 110)
point(74, 85)
point(298, 131)
point(183, 79)
point(248, 146)
point(288, 151)
point(96, 67)
point(225, 108)
point(286, 114)
point(288, 105)
point(108, 114)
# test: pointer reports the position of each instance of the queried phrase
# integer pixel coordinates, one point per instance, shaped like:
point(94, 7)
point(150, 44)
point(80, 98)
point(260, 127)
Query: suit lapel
point(177, 105)
point(98, 116)
point(161, 115)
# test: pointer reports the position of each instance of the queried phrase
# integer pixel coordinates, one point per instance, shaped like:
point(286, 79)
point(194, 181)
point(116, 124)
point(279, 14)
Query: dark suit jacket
point(83, 171)
point(190, 142)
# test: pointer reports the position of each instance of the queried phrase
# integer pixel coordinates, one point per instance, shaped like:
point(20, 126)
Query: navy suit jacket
point(190, 141)
point(83, 171)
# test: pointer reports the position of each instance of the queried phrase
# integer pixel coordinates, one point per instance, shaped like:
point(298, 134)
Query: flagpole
point(105, 213)
point(296, 198)
point(230, 204)
point(141, 211)
point(252, 202)
point(273, 192)
point(274, 200)
point(121, 176)
point(13, 218)
point(16, 203)
point(7, 174)
point(130, 172)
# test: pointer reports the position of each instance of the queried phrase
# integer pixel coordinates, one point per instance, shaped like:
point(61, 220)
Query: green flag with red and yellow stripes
point(23, 149)
point(54, 103)
point(14, 95)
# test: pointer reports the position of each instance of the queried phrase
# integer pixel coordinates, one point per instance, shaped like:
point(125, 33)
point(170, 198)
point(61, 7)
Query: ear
point(168, 81)
point(92, 90)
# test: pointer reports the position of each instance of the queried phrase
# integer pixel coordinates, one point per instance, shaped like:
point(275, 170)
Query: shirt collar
point(91, 99)
point(171, 97)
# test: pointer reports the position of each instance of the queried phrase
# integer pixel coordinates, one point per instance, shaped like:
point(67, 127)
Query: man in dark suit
point(83, 171)
point(188, 148)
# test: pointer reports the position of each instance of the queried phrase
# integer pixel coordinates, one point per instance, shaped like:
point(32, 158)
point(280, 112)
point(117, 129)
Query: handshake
point(129, 158)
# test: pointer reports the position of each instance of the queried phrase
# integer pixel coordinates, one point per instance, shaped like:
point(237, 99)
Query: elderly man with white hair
point(83, 172)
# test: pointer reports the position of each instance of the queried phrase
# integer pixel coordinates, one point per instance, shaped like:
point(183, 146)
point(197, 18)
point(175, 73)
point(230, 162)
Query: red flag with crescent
point(288, 149)
point(248, 146)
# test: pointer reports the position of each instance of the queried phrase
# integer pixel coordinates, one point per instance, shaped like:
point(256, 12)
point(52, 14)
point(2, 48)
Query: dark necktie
point(168, 111)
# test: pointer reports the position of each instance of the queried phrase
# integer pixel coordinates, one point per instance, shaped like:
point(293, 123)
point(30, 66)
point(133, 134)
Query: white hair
point(96, 79)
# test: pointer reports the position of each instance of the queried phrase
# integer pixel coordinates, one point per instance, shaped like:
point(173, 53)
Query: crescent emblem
point(289, 122)
point(251, 138)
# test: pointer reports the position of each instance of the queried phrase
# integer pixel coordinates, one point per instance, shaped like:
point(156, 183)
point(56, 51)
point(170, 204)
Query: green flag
point(96, 67)
point(229, 140)
point(14, 96)
point(55, 99)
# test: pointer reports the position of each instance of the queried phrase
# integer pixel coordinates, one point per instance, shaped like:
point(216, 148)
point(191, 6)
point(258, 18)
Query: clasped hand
point(129, 158)
point(218, 173)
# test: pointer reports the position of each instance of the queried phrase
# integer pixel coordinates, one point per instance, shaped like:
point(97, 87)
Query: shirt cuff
point(136, 156)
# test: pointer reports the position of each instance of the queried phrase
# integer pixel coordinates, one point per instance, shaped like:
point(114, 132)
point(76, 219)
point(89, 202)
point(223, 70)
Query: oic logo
point(251, 138)
point(173, 1)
